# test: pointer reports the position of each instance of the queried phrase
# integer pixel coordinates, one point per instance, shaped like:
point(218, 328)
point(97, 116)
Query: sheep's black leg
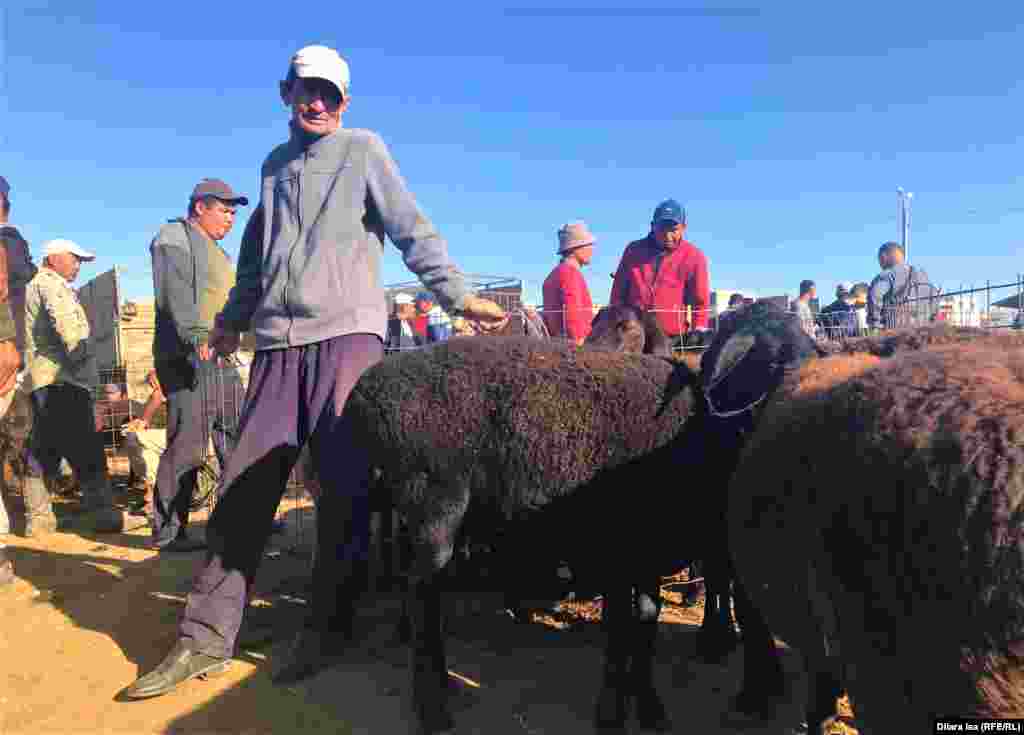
point(650, 709)
point(612, 702)
point(763, 682)
point(717, 637)
point(433, 537)
point(514, 556)
point(429, 667)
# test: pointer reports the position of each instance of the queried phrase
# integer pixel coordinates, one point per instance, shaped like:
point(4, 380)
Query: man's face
point(585, 254)
point(66, 265)
point(668, 234)
point(316, 105)
point(216, 218)
point(405, 311)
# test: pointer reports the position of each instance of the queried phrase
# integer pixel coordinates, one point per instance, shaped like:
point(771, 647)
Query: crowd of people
point(306, 287)
point(900, 295)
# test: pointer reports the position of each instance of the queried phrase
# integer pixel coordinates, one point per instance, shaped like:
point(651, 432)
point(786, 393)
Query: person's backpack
point(914, 303)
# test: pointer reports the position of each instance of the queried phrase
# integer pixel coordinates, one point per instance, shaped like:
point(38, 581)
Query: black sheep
point(542, 434)
point(878, 508)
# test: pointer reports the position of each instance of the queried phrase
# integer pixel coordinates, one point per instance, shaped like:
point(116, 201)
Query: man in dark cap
point(665, 273)
point(192, 276)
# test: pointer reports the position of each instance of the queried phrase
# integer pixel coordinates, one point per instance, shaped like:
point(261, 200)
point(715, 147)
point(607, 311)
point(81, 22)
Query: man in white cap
point(568, 309)
point(62, 374)
point(401, 335)
point(308, 289)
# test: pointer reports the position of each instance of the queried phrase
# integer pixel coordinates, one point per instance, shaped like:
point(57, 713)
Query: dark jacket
point(192, 276)
point(396, 341)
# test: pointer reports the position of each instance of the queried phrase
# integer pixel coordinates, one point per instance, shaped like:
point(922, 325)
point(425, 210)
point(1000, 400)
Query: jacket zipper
point(291, 251)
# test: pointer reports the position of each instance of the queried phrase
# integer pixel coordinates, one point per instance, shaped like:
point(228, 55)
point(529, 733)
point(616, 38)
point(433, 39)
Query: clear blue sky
point(784, 128)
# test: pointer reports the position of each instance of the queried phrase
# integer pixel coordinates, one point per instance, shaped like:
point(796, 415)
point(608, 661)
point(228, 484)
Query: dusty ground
point(88, 614)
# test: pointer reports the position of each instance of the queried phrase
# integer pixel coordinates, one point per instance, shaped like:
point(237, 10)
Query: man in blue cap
point(665, 273)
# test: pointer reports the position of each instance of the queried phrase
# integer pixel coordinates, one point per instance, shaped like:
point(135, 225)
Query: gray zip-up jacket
point(309, 265)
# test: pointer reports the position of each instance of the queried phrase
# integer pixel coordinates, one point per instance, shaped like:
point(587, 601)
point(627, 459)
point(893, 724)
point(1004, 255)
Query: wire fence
point(993, 305)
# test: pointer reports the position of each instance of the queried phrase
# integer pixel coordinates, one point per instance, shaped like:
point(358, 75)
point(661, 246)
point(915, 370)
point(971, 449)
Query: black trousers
point(64, 427)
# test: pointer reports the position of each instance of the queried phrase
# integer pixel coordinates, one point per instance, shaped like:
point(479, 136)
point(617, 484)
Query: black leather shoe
point(183, 544)
point(180, 665)
point(311, 651)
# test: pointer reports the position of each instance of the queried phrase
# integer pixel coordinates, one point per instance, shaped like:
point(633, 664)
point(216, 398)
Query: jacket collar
point(326, 145)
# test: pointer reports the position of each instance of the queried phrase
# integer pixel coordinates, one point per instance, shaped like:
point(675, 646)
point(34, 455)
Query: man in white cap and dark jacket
point(62, 374)
point(308, 289)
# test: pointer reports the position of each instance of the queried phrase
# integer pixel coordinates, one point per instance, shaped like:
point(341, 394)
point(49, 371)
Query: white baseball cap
point(321, 62)
point(403, 298)
point(52, 247)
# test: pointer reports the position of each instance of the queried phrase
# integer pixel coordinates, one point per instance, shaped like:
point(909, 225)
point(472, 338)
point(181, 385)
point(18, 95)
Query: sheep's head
point(628, 329)
point(749, 356)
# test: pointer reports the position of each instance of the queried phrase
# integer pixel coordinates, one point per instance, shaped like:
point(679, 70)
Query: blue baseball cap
point(670, 210)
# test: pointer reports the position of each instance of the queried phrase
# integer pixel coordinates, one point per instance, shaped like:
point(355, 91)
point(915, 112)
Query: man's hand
point(486, 315)
point(222, 341)
point(133, 426)
point(204, 351)
point(9, 363)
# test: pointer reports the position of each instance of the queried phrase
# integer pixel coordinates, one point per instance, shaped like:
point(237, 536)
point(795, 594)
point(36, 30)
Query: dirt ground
point(88, 614)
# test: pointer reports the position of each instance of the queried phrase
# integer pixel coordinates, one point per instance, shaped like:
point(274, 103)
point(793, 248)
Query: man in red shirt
point(665, 273)
point(568, 310)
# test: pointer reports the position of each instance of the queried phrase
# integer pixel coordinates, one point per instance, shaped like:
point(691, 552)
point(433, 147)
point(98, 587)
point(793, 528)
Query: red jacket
point(565, 288)
point(681, 280)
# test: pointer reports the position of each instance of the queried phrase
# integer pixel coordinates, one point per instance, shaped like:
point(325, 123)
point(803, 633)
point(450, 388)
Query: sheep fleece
point(522, 421)
point(900, 488)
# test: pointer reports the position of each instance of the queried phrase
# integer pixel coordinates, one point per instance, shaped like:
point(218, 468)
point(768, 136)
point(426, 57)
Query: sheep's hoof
point(611, 711)
point(650, 711)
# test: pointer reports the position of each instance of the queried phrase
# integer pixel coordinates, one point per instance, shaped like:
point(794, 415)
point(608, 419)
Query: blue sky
point(784, 128)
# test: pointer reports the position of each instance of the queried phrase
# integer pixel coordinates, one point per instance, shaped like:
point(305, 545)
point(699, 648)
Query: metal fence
point(991, 306)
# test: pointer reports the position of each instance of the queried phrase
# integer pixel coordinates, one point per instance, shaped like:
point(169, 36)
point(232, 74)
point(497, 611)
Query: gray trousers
point(295, 394)
point(198, 399)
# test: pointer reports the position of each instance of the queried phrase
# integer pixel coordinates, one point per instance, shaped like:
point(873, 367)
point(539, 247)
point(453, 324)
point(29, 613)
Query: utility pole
point(903, 199)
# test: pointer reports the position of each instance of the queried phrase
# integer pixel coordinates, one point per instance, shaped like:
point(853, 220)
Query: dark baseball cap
point(217, 188)
point(669, 210)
